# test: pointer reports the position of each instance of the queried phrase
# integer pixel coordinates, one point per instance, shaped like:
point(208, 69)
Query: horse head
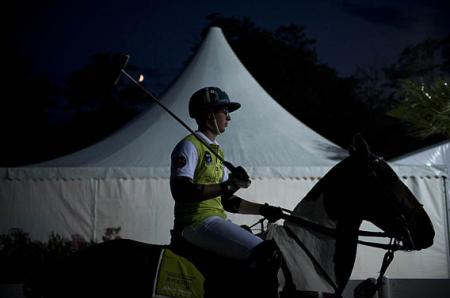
point(377, 194)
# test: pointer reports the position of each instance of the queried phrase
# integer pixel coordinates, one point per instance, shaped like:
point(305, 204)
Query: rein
point(332, 232)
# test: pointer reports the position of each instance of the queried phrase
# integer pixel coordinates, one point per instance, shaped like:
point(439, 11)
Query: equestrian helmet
point(208, 99)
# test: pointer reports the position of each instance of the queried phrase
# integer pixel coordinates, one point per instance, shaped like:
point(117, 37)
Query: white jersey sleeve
point(184, 160)
point(225, 174)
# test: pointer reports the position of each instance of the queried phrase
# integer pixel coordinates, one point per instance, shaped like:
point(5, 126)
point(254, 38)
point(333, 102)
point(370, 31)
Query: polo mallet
point(123, 61)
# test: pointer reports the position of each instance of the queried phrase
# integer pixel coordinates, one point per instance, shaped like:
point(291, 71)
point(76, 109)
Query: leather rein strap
point(332, 232)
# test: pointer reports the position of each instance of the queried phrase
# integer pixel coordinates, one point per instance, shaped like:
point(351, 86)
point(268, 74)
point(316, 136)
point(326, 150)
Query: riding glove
point(272, 213)
point(237, 179)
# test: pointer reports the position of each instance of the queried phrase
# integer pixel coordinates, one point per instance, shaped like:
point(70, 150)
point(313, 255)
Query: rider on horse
point(203, 188)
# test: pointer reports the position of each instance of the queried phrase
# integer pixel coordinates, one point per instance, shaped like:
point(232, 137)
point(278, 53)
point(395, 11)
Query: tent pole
point(446, 184)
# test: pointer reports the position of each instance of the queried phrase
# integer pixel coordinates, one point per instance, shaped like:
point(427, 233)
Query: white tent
point(434, 155)
point(437, 156)
point(123, 180)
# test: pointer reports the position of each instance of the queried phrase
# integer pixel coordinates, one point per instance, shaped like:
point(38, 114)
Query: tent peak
point(215, 28)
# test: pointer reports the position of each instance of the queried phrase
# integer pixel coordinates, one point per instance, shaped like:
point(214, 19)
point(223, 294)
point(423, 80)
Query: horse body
point(115, 268)
point(362, 187)
point(129, 268)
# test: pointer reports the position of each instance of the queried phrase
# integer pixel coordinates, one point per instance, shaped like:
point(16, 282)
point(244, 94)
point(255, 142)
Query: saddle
point(244, 278)
point(177, 277)
point(206, 261)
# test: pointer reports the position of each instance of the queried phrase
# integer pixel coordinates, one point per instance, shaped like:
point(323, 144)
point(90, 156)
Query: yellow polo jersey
point(209, 170)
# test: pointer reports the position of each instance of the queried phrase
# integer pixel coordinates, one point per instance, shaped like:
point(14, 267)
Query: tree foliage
point(424, 61)
point(21, 256)
point(28, 96)
point(56, 118)
point(426, 107)
point(419, 91)
point(97, 106)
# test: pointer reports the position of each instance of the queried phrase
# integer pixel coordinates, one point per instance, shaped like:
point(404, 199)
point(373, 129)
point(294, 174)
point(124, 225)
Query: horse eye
point(372, 174)
point(378, 159)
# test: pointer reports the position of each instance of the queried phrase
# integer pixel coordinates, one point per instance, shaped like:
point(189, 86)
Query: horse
point(318, 242)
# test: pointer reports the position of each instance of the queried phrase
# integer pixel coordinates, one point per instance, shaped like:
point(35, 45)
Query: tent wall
point(143, 208)
point(432, 262)
point(40, 206)
point(438, 156)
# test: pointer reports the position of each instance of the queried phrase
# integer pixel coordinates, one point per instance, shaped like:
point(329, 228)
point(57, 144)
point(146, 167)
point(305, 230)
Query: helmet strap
point(214, 120)
point(215, 126)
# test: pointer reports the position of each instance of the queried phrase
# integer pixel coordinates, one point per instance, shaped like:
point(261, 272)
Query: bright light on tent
point(141, 78)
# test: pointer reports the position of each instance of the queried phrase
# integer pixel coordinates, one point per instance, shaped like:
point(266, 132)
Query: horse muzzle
point(419, 232)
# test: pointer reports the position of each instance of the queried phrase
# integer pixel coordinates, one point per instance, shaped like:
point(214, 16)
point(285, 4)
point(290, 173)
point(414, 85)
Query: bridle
point(401, 220)
point(401, 217)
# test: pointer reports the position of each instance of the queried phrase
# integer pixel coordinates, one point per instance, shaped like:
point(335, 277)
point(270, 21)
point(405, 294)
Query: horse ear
point(359, 147)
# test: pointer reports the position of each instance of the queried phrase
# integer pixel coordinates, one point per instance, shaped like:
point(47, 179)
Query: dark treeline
point(41, 119)
point(285, 63)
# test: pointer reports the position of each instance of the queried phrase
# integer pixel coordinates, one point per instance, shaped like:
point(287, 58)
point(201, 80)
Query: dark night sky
point(61, 36)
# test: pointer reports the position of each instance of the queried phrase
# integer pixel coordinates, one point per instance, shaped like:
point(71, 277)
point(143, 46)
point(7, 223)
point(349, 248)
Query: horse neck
point(335, 256)
point(312, 208)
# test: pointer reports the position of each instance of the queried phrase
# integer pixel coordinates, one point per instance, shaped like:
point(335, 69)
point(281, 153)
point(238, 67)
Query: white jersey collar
point(205, 138)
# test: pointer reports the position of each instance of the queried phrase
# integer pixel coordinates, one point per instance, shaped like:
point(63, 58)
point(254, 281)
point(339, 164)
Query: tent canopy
point(434, 155)
point(263, 137)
